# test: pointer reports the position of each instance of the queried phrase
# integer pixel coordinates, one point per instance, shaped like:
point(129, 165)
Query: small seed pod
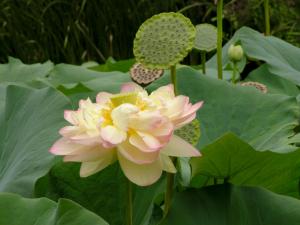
point(259, 86)
point(235, 53)
point(144, 76)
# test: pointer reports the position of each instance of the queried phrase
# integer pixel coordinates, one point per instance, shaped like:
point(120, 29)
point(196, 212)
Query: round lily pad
point(190, 132)
point(206, 37)
point(164, 40)
point(142, 75)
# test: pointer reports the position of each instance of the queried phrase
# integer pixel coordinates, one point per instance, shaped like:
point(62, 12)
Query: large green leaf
point(15, 210)
point(233, 160)
point(78, 82)
point(275, 84)
point(69, 76)
point(112, 65)
point(16, 71)
point(264, 121)
point(282, 58)
point(231, 205)
point(102, 193)
point(29, 124)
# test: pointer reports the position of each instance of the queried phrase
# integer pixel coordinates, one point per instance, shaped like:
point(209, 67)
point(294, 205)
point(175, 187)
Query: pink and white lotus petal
point(188, 115)
point(163, 93)
point(113, 135)
point(137, 141)
point(135, 155)
point(63, 146)
point(191, 109)
point(85, 139)
point(183, 121)
point(147, 120)
point(150, 140)
point(93, 154)
point(71, 116)
point(131, 87)
point(167, 164)
point(174, 107)
point(85, 103)
point(69, 131)
point(180, 148)
point(140, 174)
point(103, 97)
point(164, 131)
point(120, 115)
point(90, 168)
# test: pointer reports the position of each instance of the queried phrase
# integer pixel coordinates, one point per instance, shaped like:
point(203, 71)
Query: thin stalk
point(169, 193)
point(267, 17)
point(234, 72)
point(203, 61)
point(215, 181)
point(173, 78)
point(191, 6)
point(170, 176)
point(129, 203)
point(220, 36)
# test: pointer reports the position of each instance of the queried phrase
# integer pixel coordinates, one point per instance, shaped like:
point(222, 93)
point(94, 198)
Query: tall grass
point(75, 31)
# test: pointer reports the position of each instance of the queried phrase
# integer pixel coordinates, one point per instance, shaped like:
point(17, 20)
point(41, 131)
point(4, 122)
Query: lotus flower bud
point(235, 53)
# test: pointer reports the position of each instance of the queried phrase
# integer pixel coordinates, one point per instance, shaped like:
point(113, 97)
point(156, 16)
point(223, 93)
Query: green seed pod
point(235, 53)
point(206, 37)
point(164, 40)
point(190, 132)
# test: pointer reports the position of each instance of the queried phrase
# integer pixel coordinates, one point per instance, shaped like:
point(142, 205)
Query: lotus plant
point(132, 127)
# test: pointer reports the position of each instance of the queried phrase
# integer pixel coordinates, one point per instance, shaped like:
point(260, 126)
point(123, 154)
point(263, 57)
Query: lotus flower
point(132, 127)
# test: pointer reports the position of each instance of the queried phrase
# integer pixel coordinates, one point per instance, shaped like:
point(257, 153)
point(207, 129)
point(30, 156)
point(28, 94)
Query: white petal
point(138, 142)
point(131, 87)
point(71, 116)
point(167, 164)
point(142, 175)
point(93, 154)
point(180, 148)
point(65, 147)
point(90, 168)
point(146, 120)
point(136, 155)
point(113, 135)
point(120, 115)
point(165, 92)
point(103, 97)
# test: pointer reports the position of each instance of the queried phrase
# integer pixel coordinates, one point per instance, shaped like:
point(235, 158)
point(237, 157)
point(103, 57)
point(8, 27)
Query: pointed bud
point(235, 53)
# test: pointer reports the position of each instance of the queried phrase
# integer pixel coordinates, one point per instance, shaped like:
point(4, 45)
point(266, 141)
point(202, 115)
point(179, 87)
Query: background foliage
point(75, 31)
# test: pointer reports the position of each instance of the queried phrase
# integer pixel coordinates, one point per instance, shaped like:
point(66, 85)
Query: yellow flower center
point(120, 99)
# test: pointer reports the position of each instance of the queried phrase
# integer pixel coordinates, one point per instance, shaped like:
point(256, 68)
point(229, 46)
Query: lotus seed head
point(144, 76)
point(259, 86)
point(190, 132)
point(162, 32)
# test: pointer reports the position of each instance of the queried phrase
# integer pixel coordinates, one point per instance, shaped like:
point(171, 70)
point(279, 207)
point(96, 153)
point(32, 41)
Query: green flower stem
point(267, 17)
point(220, 36)
point(173, 78)
point(234, 72)
point(203, 61)
point(129, 203)
point(169, 193)
point(170, 176)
